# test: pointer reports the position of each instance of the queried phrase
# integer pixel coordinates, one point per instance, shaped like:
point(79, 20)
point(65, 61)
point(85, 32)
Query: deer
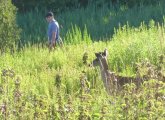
point(111, 80)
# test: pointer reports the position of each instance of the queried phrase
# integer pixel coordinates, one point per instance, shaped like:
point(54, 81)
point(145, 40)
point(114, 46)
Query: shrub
point(9, 31)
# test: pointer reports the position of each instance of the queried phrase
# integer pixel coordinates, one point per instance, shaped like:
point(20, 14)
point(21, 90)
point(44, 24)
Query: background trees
point(59, 5)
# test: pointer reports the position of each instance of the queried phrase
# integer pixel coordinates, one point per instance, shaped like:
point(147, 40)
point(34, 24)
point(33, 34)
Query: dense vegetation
point(99, 22)
point(62, 5)
point(38, 84)
point(9, 31)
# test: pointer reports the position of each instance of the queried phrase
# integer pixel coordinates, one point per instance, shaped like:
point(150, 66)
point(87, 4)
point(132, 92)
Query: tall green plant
point(99, 21)
point(9, 31)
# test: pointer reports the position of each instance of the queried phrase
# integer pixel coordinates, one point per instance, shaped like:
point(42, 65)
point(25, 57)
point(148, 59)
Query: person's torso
point(53, 26)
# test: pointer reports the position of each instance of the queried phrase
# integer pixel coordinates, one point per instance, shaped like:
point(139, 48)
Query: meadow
point(102, 20)
point(38, 84)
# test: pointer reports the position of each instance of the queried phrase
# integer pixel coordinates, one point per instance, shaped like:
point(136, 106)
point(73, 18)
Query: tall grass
point(41, 97)
point(130, 45)
point(99, 21)
point(38, 84)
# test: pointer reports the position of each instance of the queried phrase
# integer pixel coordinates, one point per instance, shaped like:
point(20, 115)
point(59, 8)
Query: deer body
point(111, 80)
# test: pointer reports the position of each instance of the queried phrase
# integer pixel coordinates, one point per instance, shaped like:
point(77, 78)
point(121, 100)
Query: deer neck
point(105, 74)
point(103, 65)
point(103, 69)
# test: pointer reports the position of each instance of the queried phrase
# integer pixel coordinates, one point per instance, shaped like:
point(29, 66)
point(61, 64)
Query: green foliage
point(132, 3)
point(63, 5)
point(38, 84)
point(9, 31)
point(56, 5)
point(131, 45)
point(75, 36)
point(99, 22)
point(56, 85)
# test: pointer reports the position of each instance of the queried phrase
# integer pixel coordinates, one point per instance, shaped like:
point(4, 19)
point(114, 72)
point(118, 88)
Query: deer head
point(101, 60)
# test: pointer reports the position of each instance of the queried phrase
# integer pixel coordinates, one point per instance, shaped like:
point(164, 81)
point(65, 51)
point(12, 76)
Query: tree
point(9, 31)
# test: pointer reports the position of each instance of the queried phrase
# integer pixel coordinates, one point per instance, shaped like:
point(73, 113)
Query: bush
point(9, 31)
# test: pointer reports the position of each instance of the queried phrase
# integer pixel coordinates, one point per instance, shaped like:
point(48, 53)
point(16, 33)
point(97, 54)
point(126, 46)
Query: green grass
point(99, 21)
point(137, 37)
point(41, 98)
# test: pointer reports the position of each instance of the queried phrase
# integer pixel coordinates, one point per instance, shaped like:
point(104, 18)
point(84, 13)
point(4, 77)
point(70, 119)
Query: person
point(53, 31)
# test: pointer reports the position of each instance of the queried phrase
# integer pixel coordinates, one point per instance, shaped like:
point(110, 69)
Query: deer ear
point(105, 53)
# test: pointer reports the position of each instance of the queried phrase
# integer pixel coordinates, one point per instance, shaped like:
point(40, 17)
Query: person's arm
point(53, 39)
point(54, 30)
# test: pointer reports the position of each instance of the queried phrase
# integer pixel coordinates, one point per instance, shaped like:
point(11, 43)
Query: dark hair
point(49, 14)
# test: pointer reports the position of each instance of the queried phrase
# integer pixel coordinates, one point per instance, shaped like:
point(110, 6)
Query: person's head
point(49, 16)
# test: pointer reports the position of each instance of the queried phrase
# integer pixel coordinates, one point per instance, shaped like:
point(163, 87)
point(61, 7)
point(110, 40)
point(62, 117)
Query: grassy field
point(36, 84)
point(96, 19)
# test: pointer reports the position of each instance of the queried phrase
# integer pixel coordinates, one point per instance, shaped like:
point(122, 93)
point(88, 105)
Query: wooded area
point(60, 5)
